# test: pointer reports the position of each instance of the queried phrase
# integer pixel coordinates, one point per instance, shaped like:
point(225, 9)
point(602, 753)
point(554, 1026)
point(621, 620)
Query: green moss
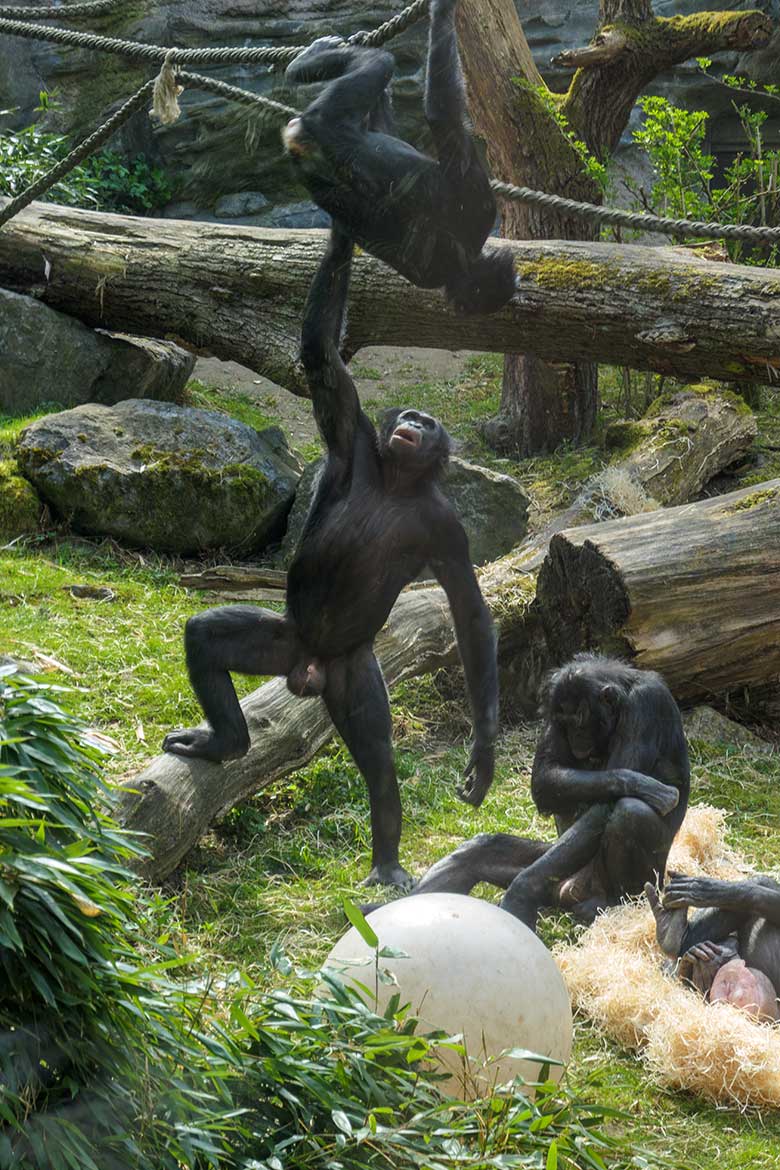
point(20, 508)
point(623, 435)
point(563, 274)
point(754, 499)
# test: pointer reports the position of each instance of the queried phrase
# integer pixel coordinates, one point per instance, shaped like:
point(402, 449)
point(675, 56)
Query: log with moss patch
point(175, 800)
point(692, 591)
point(238, 293)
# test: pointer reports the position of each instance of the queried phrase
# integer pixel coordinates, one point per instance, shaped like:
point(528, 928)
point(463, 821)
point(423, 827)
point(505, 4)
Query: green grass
point(226, 400)
point(276, 869)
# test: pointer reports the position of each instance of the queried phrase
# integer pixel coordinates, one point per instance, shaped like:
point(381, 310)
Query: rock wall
point(225, 162)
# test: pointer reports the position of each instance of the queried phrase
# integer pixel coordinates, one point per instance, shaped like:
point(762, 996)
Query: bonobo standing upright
point(427, 219)
point(377, 519)
point(612, 768)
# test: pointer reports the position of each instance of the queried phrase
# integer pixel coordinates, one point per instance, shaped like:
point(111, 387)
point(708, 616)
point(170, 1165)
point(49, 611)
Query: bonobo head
point(486, 285)
point(584, 701)
point(413, 444)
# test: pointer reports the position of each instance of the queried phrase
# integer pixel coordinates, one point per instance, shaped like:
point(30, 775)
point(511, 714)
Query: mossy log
point(238, 293)
point(175, 800)
point(692, 591)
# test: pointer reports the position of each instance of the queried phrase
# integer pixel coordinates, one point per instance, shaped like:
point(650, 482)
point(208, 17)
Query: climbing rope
point(640, 220)
point(169, 58)
point(263, 55)
point(66, 12)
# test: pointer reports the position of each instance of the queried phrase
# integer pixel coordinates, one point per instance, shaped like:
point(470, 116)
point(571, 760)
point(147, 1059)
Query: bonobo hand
point(389, 873)
point(661, 797)
point(691, 891)
point(478, 774)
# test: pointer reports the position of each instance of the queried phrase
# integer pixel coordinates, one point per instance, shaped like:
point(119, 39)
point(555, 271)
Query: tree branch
point(605, 47)
point(238, 292)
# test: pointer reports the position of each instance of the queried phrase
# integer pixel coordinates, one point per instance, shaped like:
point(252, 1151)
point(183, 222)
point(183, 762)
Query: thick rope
point(66, 12)
point(639, 220)
point(234, 94)
point(264, 55)
point(82, 151)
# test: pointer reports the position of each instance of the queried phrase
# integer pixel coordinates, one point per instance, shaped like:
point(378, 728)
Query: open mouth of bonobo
point(405, 437)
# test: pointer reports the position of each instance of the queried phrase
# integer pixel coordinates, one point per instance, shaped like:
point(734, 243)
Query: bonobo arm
point(758, 897)
point(559, 788)
point(335, 399)
point(477, 648)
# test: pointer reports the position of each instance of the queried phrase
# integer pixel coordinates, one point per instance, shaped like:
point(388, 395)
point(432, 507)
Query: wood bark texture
point(175, 800)
point(238, 293)
point(692, 591)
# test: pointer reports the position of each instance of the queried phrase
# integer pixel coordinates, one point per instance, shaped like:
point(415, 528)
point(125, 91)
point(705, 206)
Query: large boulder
point(493, 509)
point(20, 507)
point(163, 476)
point(219, 151)
point(46, 356)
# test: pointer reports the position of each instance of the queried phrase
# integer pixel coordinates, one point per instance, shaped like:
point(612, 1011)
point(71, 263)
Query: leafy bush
point(102, 1059)
point(686, 187)
point(103, 182)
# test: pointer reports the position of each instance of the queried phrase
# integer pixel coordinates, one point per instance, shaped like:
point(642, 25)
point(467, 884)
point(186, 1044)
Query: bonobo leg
point(237, 638)
point(356, 698)
point(537, 886)
point(634, 848)
point(496, 858)
point(331, 57)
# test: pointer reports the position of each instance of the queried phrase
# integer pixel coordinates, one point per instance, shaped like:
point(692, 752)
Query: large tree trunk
point(693, 592)
point(238, 292)
point(174, 800)
point(544, 403)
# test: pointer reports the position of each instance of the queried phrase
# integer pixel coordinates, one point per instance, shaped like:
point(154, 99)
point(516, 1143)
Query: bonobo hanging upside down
point(730, 949)
point(378, 517)
point(427, 219)
point(612, 768)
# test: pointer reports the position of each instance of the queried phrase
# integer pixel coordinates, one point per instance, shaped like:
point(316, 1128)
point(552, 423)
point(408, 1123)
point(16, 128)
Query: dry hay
point(614, 976)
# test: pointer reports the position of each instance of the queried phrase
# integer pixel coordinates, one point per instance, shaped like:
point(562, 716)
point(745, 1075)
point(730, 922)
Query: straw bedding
point(614, 976)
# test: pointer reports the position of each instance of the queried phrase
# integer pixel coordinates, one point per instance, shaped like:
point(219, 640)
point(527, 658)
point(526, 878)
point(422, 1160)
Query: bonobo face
point(586, 714)
point(414, 441)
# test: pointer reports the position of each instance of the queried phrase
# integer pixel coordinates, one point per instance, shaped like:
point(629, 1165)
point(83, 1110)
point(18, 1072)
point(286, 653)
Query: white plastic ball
point(471, 968)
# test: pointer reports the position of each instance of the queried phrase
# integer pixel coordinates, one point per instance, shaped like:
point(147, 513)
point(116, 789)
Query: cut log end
point(581, 600)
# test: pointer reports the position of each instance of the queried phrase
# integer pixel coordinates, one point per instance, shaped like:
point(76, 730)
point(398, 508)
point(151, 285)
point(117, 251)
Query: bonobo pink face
point(745, 988)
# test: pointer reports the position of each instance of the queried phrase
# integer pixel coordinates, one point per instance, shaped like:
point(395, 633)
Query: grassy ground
point(276, 869)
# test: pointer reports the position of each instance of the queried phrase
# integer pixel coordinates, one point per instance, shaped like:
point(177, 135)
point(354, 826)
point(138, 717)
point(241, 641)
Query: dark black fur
point(377, 519)
point(428, 219)
point(612, 768)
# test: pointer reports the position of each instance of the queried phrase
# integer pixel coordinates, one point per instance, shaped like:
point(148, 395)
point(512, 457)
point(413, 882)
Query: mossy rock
point(20, 505)
point(166, 477)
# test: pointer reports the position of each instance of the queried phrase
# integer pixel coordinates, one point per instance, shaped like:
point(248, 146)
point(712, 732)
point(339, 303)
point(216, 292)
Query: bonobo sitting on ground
point(378, 517)
point(612, 768)
point(730, 950)
point(427, 219)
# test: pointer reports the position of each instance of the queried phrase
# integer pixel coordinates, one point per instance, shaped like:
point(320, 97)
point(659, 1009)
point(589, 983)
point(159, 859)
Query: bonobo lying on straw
point(730, 949)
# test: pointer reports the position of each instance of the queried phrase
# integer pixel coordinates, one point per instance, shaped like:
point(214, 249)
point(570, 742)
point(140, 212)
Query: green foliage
point(592, 167)
point(102, 1058)
point(686, 186)
point(103, 182)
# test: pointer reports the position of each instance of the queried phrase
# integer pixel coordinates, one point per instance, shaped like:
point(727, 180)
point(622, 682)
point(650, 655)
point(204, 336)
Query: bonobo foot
point(684, 891)
point(669, 924)
point(389, 873)
point(523, 901)
point(202, 743)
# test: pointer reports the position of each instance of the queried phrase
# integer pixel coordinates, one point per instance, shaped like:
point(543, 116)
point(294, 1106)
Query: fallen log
point(174, 800)
point(238, 293)
point(692, 591)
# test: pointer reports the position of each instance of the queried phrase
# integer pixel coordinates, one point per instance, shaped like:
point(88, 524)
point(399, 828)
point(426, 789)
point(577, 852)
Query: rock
point(20, 506)
point(46, 356)
point(493, 509)
point(163, 476)
point(708, 724)
point(241, 204)
point(219, 149)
